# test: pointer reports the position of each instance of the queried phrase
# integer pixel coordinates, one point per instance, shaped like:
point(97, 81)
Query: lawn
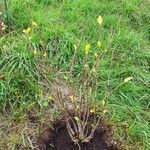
point(47, 39)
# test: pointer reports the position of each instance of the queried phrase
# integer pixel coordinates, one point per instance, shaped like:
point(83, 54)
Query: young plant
point(81, 115)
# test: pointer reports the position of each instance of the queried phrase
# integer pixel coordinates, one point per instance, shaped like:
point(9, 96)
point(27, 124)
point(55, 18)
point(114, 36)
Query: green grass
point(61, 24)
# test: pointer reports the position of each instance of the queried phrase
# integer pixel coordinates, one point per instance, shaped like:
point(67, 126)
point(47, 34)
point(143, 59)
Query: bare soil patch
point(57, 138)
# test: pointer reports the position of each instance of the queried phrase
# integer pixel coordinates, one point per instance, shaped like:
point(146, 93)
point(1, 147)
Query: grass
point(125, 32)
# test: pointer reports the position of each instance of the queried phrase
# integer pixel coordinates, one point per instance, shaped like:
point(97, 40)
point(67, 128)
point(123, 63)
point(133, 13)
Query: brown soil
point(57, 138)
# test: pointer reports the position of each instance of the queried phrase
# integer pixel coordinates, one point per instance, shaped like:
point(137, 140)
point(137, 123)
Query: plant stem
point(6, 10)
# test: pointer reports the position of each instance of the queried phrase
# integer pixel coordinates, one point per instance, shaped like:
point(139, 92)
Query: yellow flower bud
point(87, 48)
point(27, 30)
point(65, 77)
point(45, 54)
point(77, 118)
point(99, 43)
point(72, 97)
point(127, 79)
point(105, 50)
point(50, 97)
point(34, 24)
point(105, 111)
point(93, 110)
point(75, 47)
point(99, 19)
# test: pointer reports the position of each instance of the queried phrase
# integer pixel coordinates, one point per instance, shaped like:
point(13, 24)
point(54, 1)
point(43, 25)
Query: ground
point(57, 137)
point(45, 40)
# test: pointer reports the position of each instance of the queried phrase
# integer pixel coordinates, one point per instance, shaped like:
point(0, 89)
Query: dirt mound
point(57, 138)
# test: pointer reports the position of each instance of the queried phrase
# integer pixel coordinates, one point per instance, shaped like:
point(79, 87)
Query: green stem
point(5, 3)
point(6, 10)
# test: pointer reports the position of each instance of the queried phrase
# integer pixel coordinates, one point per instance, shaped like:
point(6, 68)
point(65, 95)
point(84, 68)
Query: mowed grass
point(125, 33)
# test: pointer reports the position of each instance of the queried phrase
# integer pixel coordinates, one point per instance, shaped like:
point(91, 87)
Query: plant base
point(57, 138)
